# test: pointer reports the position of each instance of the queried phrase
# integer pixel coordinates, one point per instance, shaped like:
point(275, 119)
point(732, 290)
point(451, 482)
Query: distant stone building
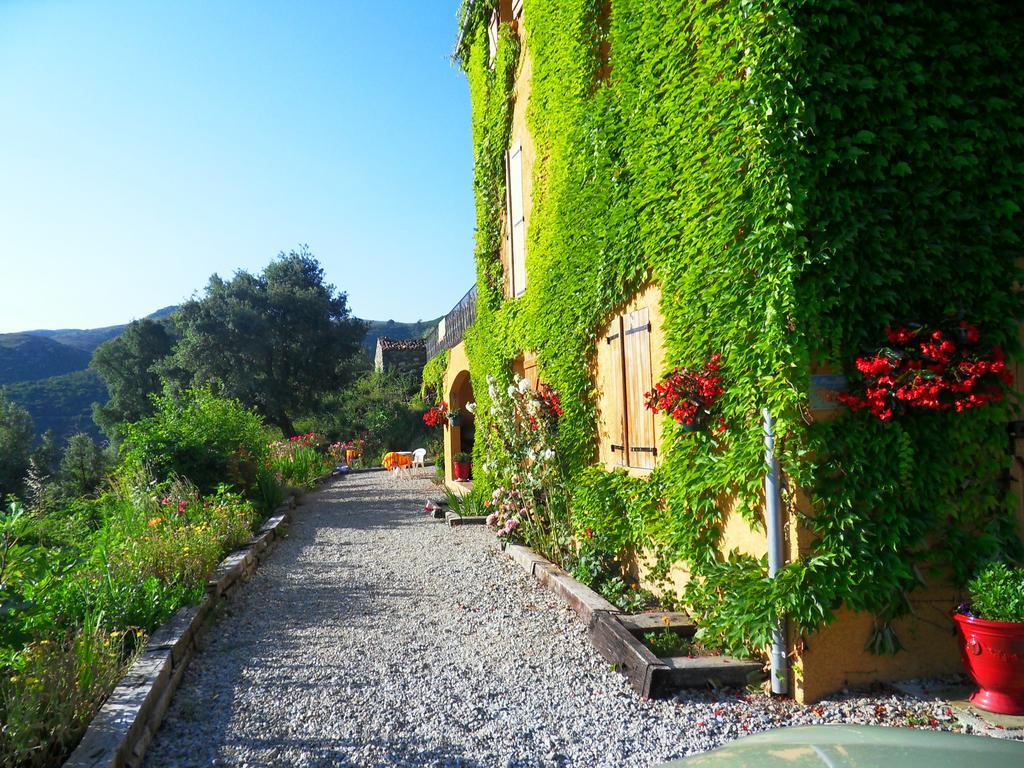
point(403, 355)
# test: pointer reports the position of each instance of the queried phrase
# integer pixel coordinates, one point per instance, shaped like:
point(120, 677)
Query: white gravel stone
point(375, 636)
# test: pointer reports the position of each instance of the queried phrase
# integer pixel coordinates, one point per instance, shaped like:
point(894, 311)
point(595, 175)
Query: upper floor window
point(492, 35)
point(516, 235)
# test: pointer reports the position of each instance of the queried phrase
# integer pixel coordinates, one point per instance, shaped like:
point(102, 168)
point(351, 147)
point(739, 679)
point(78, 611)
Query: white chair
point(419, 457)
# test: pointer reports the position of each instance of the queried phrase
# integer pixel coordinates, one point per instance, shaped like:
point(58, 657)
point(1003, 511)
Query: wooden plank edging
point(612, 633)
point(122, 729)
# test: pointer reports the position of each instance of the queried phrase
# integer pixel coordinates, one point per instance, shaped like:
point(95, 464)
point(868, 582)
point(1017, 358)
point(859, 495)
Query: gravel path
point(376, 636)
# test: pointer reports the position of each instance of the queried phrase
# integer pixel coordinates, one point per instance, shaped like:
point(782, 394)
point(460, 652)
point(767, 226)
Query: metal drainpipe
point(773, 520)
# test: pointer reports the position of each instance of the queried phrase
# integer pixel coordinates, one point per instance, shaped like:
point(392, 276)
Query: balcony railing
point(452, 328)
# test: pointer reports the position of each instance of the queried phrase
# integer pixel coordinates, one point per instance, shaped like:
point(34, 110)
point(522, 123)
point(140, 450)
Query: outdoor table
point(397, 460)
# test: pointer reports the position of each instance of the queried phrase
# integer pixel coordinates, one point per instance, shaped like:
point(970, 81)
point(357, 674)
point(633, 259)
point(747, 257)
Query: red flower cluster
point(549, 400)
point(308, 439)
point(436, 415)
point(690, 396)
point(930, 369)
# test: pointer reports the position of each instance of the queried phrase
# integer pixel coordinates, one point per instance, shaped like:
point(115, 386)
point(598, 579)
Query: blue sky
point(146, 145)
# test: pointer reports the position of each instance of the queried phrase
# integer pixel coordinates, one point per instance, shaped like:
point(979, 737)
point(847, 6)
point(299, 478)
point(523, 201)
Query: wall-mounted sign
point(825, 389)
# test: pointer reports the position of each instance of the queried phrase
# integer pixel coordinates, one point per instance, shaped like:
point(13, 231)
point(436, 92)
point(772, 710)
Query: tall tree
point(16, 433)
point(82, 466)
point(127, 365)
point(279, 341)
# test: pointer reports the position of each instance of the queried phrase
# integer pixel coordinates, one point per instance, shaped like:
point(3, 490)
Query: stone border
point(122, 729)
point(455, 519)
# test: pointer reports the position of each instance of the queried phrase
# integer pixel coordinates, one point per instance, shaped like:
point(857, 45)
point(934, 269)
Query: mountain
point(61, 403)
point(26, 357)
point(47, 371)
point(89, 339)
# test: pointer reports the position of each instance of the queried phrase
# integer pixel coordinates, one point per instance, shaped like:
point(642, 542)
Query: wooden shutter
point(517, 8)
point(516, 221)
point(530, 370)
point(615, 419)
point(636, 348)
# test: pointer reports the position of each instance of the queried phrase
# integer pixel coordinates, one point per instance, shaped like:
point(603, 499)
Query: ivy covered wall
point(795, 176)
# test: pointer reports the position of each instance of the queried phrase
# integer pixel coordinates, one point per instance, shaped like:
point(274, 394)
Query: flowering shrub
point(690, 396)
point(297, 459)
point(506, 511)
point(930, 369)
point(436, 415)
point(531, 505)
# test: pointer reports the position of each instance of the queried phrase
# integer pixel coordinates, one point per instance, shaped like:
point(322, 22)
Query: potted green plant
point(462, 466)
point(453, 418)
point(992, 638)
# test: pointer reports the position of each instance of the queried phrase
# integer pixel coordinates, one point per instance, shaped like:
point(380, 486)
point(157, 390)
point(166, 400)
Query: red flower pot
point(993, 653)
point(460, 470)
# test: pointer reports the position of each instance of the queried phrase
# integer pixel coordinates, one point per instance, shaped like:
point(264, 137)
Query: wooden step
point(652, 676)
point(677, 621)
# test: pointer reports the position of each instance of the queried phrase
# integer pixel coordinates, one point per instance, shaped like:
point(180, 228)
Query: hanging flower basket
point(436, 415)
point(926, 368)
point(690, 396)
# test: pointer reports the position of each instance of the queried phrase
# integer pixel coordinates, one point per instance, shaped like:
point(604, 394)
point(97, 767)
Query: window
point(492, 35)
point(629, 425)
point(516, 237)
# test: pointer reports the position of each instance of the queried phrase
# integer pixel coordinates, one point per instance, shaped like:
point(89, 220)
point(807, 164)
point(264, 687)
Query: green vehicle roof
point(847, 746)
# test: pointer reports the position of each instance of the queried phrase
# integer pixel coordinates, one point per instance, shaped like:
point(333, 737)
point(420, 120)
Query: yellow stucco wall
point(458, 363)
point(835, 657)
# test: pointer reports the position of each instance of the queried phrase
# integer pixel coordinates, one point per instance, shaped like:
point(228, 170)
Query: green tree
point(46, 455)
point(82, 466)
point(382, 409)
point(279, 341)
point(16, 433)
point(127, 365)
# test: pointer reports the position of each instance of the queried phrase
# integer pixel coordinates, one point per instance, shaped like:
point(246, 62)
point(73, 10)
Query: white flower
point(532, 407)
point(471, 407)
point(511, 391)
point(524, 386)
point(548, 454)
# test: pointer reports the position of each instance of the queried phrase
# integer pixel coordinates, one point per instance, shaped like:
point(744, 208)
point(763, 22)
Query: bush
point(201, 436)
point(997, 593)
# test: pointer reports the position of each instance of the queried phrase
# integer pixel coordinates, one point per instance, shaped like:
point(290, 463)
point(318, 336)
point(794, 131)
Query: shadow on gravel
point(338, 752)
point(274, 622)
